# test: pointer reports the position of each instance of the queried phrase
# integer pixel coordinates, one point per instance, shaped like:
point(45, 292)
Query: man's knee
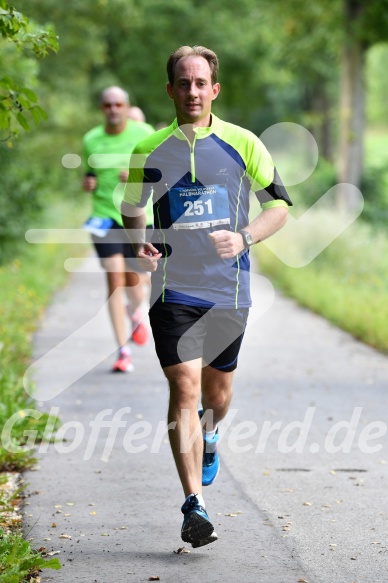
point(184, 384)
point(216, 388)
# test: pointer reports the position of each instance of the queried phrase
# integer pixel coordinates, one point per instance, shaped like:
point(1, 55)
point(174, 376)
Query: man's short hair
point(196, 51)
point(116, 88)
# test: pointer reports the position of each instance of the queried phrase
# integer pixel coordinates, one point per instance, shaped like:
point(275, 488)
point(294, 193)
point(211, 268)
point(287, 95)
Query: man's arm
point(134, 221)
point(229, 244)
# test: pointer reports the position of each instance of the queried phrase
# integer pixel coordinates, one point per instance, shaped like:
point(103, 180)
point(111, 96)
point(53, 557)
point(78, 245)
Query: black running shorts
point(182, 333)
point(116, 242)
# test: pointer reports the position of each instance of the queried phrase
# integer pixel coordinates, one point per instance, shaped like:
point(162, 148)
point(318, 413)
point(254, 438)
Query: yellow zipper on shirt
point(192, 159)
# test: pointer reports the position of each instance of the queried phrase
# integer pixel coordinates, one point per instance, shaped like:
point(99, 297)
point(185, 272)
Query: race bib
point(199, 207)
point(98, 226)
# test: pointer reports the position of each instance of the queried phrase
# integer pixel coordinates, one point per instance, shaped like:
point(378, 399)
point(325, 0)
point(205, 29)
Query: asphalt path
point(301, 495)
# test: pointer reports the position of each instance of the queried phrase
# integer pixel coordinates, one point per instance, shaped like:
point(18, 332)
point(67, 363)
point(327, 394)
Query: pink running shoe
point(123, 364)
point(140, 331)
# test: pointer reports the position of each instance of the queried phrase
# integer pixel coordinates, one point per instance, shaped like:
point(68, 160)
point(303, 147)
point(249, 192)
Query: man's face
point(192, 91)
point(115, 108)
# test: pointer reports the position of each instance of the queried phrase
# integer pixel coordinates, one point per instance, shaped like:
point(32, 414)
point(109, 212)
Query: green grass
point(347, 283)
point(19, 562)
point(376, 147)
point(26, 287)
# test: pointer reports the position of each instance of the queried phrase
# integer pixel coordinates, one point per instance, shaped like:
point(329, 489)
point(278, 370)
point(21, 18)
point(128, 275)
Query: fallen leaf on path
point(231, 514)
point(307, 504)
point(181, 550)
point(154, 578)
point(65, 536)
point(54, 525)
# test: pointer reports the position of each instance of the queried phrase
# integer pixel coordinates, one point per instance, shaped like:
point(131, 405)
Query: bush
point(20, 200)
point(374, 188)
point(305, 194)
point(346, 283)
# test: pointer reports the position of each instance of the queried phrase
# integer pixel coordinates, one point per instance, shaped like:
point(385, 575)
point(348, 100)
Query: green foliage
point(17, 100)
point(377, 85)
point(26, 285)
point(367, 21)
point(374, 187)
point(18, 560)
point(307, 193)
point(20, 199)
point(374, 184)
point(344, 283)
point(24, 424)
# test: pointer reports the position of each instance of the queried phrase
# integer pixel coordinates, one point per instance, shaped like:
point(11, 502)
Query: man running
point(199, 172)
point(105, 181)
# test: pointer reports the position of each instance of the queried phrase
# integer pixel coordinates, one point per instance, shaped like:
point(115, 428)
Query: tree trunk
point(352, 105)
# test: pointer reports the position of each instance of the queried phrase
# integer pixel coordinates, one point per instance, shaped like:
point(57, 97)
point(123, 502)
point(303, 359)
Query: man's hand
point(89, 183)
point(227, 244)
point(123, 176)
point(147, 256)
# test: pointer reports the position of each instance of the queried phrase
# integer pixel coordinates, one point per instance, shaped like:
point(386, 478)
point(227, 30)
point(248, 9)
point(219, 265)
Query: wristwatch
point(247, 238)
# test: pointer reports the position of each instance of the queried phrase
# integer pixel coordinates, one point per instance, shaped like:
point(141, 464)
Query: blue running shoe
point(196, 528)
point(211, 459)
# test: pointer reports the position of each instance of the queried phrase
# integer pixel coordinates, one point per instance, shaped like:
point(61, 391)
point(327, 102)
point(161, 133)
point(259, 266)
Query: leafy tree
point(16, 99)
point(377, 85)
point(364, 24)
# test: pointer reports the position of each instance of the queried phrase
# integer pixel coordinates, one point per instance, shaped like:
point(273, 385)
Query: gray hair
point(116, 88)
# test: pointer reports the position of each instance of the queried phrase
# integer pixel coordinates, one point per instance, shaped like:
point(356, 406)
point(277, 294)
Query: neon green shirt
point(106, 155)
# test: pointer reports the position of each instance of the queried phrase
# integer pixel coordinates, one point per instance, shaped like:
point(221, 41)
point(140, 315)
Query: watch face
point(248, 241)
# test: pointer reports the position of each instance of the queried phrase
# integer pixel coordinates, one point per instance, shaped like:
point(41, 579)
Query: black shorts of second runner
point(116, 242)
point(182, 333)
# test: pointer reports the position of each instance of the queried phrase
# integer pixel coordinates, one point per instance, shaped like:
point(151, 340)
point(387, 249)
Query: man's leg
point(116, 280)
point(135, 286)
point(216, 396)
point(115, 272)
point(187, 447)
point(185, 387)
